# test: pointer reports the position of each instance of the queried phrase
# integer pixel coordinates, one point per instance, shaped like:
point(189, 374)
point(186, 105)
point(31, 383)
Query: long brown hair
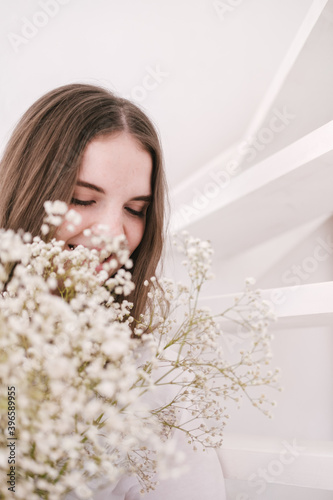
point(42, 159)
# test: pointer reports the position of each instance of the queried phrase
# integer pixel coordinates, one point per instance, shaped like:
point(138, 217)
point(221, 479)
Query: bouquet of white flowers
point(77, 370)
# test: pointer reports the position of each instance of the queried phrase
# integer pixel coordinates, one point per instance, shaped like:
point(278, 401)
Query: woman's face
point(113, 190)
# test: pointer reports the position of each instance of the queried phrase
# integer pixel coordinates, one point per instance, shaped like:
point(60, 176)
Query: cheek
point(63, 233)
point(134, 235)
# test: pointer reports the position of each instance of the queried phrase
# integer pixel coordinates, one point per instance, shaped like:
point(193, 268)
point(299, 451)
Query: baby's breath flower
point(84, 380)
point(55, 207)
point(45, 229)
point(74, 217)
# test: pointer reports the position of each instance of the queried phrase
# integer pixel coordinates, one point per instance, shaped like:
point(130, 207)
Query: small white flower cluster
point(55, 211)
point(67, 346)
point(85, 383)
point(198, 257)
point(202, 375)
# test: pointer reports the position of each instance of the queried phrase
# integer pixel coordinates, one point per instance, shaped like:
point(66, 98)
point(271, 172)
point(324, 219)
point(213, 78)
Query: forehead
point(117, 160)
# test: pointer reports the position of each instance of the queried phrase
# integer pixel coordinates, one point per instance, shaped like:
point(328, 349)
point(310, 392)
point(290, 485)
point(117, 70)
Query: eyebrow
point(88, 185)
point(147, 198)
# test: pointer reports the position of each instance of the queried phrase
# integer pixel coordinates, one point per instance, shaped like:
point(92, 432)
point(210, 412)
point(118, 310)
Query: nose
point(109, 223)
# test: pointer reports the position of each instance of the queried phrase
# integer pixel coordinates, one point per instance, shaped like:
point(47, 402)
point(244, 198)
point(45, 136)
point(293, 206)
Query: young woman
point(101, 155)
point(80, 126)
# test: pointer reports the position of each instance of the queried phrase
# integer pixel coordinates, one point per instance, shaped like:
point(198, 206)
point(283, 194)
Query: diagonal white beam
point(271, 169)
point(286, 65)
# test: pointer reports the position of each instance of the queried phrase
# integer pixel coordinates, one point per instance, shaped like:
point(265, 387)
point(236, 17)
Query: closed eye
point(75, 201)
point(141, 214)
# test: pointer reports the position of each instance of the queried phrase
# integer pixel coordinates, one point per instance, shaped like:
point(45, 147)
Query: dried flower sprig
point(201, 371)
point(85, 385)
